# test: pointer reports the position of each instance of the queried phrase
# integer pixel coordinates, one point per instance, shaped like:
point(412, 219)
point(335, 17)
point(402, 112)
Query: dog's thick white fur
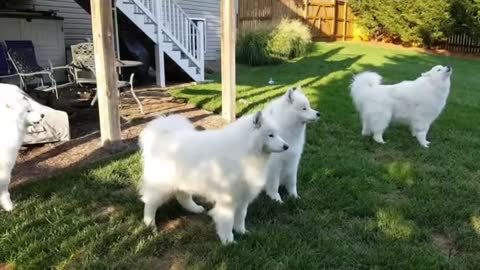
point(291, 112)
point(16, 115)
point(415, 103)
point(225, 166)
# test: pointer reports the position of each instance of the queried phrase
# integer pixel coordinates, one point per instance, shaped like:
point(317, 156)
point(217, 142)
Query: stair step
point(138, 17)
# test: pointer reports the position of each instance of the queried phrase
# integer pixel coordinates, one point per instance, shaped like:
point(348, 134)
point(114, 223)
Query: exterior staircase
point(173, 32)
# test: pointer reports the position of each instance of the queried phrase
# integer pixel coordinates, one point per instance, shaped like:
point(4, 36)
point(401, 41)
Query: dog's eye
point(271, 135)
point(304, 108)
point(29, 111)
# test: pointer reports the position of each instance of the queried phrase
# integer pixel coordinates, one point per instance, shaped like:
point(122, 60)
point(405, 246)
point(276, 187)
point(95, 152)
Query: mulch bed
point(43, 161)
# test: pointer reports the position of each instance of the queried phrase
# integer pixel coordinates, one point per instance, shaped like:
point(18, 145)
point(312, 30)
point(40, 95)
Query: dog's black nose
point(449, 68)
point(42, 115)
point(285, 147)
point(318, 114)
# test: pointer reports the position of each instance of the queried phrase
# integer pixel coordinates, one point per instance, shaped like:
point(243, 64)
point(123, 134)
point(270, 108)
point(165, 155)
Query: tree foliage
point(417, 22)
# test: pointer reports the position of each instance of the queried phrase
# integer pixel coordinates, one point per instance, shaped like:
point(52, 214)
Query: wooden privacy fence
point(462, 43)
point(328, 19)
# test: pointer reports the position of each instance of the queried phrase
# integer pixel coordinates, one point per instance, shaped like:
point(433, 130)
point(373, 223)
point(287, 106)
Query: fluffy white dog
point(415, 103)
point(225, 166)
point(291, 112)
point(16, 115)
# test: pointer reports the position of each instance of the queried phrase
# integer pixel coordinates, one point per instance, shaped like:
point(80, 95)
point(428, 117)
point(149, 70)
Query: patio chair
point(23, 58)
point(83, 71)
point(6, 70)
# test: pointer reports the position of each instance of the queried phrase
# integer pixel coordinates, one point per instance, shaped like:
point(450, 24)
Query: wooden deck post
point(108, 96)
point(228, 59)
point(159, 54)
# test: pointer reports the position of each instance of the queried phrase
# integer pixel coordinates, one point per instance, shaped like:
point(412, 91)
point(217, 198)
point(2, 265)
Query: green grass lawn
point(363, 205)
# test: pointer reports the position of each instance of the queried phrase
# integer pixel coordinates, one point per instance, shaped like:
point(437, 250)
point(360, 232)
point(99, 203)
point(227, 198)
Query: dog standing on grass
point(291, 113)
point(16, 114)
point(415, 103)
point(225, 166)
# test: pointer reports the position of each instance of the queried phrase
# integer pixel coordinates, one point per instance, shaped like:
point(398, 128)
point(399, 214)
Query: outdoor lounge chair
point(6, 70)
point(23, 58)
point(83, 71)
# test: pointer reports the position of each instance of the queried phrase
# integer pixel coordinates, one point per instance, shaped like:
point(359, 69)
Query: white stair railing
point(176, 25)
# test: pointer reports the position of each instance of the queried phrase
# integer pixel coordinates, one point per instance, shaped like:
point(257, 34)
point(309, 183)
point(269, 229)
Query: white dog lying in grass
point(225, 166)
point(16, 115)
point(415, 103)
point(291, 113)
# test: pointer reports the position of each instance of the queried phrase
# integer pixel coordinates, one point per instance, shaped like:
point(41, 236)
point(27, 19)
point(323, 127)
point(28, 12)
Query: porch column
point(228, 59)
point(106, 76)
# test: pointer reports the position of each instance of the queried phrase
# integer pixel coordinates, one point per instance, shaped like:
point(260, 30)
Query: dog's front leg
point(291, 176)
point(240, 215)
point(273, 173)
point(5, 200)
point(224, 214)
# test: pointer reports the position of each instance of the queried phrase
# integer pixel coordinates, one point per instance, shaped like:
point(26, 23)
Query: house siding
point(210, 11)
point(76, 25)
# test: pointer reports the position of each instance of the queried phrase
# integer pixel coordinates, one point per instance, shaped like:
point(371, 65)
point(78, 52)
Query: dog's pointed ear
point(290, 93)
point(257, 119)
point(299, 88)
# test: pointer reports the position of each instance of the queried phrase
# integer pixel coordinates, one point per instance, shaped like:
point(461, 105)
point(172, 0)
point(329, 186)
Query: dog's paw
point(241, 230)
point(149, 222)
point(295, 196)
point(425, 144)
point(227, 239)
point(197, 209)
point(276, 197)
point(7, 204)
point(8, 207)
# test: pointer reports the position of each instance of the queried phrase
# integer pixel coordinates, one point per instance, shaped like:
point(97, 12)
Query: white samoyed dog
point(16, 115)
point(415, 103)
point(291, 113)
point(225, 166)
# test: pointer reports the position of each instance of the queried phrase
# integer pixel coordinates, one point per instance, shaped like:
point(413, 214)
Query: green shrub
point(412, 21)
point(290, 39)
point(252, 46)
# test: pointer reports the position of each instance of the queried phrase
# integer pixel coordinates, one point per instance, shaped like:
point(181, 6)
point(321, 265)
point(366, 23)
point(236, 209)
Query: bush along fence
point(462, 43)
point(327, 19)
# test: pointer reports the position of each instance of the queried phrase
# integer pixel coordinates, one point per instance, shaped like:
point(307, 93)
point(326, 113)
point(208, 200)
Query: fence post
point(334, 20)
point(345, 5)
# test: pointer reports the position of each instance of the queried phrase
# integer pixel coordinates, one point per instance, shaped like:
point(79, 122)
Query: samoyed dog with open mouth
point(225, 166)
point(415, 103)
point(291, 112)
point(16, 115)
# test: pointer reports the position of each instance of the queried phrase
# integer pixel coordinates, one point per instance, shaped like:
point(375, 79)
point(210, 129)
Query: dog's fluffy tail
point(157, 129)
point(363, 81)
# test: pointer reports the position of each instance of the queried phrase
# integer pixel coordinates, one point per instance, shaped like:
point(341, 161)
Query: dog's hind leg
point(239, 221)
point(224, 214)
point(187, 202)
point(152, 202)
point(378, 125)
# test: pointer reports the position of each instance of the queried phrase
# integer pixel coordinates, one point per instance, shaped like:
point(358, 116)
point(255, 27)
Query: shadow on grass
point(253, 89)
